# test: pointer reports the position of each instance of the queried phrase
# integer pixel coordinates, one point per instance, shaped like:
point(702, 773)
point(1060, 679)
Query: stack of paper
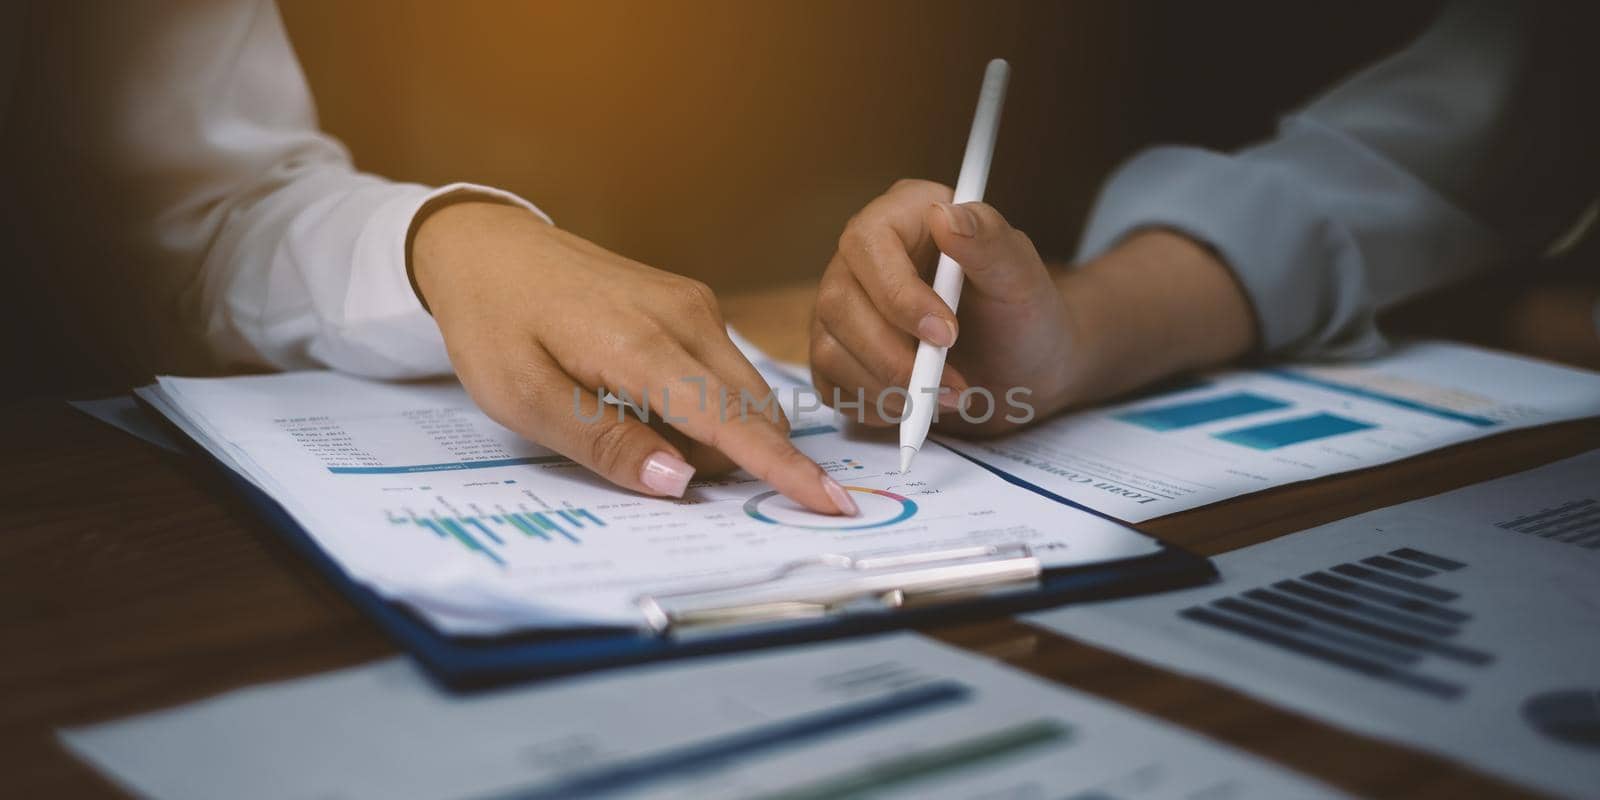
point(894, 716)
point(417, 494)
point(1240, 431)
point(1467, 623)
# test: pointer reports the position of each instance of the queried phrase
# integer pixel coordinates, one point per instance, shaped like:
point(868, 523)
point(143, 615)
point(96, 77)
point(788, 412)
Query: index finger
point(882, 245)
point(726, 420)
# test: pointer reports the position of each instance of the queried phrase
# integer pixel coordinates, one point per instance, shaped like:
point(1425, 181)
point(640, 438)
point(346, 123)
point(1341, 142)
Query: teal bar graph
point(1294, 431)
point(491, 534)
point(549, 524)
point(1200, 412)
point(478, 523)
point(522, 523)
point(432, 526)
point(468, 540)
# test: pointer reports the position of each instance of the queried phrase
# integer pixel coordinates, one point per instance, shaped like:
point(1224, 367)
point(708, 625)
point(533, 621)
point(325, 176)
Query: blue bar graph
point(1293, 431)
point(543, 520)
point(488, 534)
point(811, 431)
point(530, 529)
point(454, 529)
point(700, 757)
point(478, 523)
point(1199, 412)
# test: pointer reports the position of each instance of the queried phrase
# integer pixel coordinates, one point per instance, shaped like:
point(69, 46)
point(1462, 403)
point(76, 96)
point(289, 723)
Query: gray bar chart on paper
point(1382, 617)
point(1575, 523)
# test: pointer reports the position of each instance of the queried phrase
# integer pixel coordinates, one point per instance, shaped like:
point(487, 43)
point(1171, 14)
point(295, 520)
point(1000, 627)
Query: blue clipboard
point(464, 663)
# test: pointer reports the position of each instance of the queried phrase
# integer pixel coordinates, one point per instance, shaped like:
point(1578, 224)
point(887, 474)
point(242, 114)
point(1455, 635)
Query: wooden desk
point(130, 580)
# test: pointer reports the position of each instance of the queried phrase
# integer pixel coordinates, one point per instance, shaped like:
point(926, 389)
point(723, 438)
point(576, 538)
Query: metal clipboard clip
point(840, 584)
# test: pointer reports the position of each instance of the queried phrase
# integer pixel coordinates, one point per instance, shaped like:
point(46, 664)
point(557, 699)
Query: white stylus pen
point(926, 371)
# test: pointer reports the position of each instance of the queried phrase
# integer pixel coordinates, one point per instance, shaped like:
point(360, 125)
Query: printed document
point(1242, 431)
point(417, 494)
point(891, 716)
point(1467, 624)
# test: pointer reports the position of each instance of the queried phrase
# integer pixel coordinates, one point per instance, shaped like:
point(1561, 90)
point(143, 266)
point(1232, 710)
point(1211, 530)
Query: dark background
point(731, 140)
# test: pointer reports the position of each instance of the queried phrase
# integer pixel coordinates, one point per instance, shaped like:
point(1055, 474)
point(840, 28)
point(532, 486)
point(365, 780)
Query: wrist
point(1156, 305)
point(448, 231)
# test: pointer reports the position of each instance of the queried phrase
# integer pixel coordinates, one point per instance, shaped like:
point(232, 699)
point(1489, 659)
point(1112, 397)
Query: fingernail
point(840, 497)
point(936, 331)
point(962, 223)
point(665, 473)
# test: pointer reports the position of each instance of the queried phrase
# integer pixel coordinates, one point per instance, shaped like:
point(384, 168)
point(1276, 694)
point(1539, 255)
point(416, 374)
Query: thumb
point(996, 258)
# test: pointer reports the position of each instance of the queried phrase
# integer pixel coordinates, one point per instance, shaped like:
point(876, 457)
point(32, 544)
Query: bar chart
point(488, 534)
point(1379, 617)
point(1265, 436)
point(1199, 412)
point(700, 757)
point(1189, 444)
point(1274, 435)
point(1575, 523)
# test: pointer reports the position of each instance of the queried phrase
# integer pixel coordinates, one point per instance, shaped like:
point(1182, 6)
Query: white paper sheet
point(1244, 431)
point(899, 715)
point(418, 494)
point(1490, 656)
point(123, 413)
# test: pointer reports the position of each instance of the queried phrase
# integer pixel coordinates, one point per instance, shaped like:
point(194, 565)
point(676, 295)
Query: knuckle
point(608, 447)
point(875, 242)
point(693, 296)
point(514, 392)
point(642, 337)
point(825, 350)
point(900, 298)
point(855, 232)
point(730, 405)
point(990, 221)
point(791, 459)
point(919, 186)
point(831, 297)
point(1025, 243)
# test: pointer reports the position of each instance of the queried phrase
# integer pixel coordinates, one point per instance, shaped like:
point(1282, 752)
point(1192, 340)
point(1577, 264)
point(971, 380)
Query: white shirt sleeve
point(1471, 149)
point(247, 224)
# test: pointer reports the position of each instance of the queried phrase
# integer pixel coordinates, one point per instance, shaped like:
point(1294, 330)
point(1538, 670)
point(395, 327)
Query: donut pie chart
point(878, 509)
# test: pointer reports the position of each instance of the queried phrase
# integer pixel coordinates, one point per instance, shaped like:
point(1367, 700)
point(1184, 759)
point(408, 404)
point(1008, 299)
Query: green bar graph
point(493, 535)
point(527, 529)
point(894, 772)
